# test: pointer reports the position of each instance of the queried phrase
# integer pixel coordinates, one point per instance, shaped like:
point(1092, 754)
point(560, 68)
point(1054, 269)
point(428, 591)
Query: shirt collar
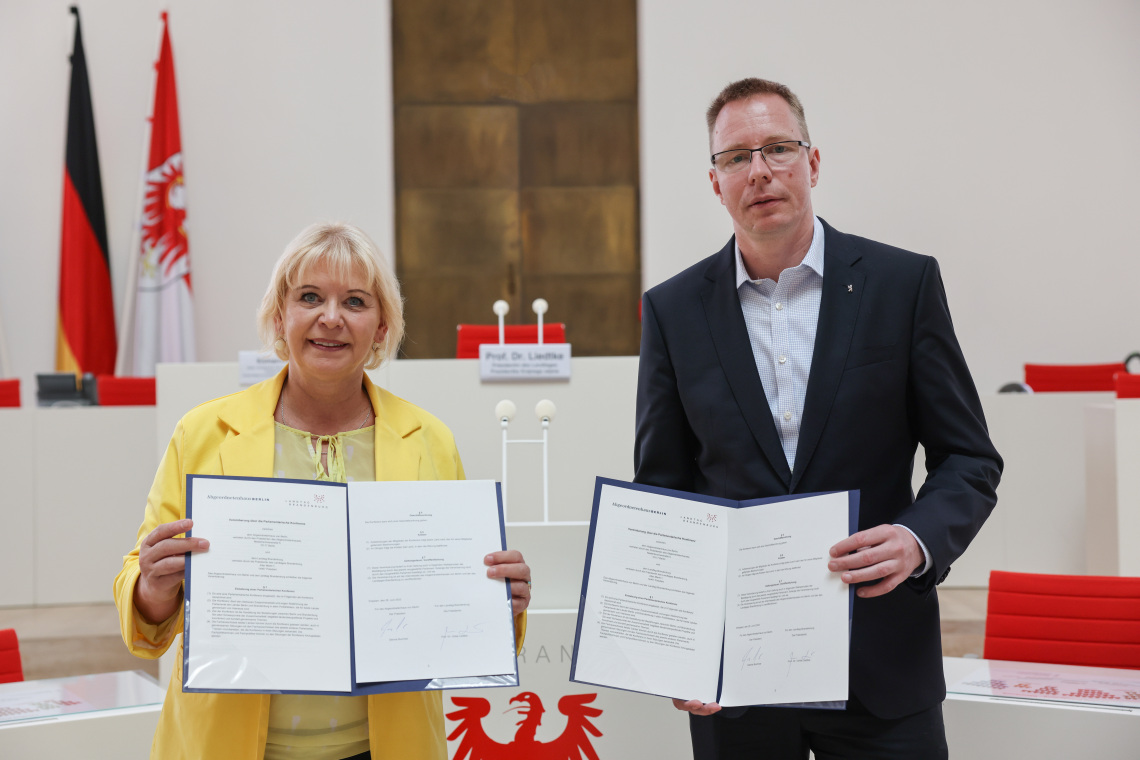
point(813, 260)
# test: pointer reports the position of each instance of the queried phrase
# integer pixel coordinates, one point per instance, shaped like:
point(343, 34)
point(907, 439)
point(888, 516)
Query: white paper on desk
point(270, 600)
point(422, 601)
point(653, 621)
point(786, 637)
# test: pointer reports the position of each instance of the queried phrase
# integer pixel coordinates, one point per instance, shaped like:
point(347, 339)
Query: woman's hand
point(163, 566)
point(511, 566)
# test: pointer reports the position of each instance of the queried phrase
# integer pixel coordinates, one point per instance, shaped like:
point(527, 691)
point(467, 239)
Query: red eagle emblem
point(573, 744)
point(164, 220)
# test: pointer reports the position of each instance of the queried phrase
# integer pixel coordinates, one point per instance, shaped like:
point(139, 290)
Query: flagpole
point(127, 315)
point(5, 366)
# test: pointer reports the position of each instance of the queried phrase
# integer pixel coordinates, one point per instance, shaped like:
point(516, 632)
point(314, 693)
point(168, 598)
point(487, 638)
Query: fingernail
point(203, 544)
point(488, 559)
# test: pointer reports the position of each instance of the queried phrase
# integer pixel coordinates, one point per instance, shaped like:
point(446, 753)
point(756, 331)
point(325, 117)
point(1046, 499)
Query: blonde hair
point(345, 250)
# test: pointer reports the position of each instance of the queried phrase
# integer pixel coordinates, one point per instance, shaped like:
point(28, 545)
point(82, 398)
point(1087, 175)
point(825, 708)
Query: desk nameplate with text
point(524, 361)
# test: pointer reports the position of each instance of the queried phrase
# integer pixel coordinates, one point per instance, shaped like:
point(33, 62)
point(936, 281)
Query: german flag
point(85, 340)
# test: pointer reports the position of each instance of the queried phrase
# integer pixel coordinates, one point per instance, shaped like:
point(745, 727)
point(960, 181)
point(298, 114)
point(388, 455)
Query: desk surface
point(78, 696)
point(1106, 689)
point(1002, 725)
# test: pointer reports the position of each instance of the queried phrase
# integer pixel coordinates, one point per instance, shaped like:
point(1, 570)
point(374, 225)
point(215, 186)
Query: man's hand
point(696, 706)
point(884, 552)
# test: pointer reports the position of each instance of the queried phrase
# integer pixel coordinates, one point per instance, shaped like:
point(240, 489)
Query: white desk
point(1001, 728)
point(88, 511)
point(17, 507)
point(1038, 526)
point(1112, 430)
point(109, 716)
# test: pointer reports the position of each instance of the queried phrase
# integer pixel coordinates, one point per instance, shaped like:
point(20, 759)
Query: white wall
point(286, 113)
point(976, 102)
point(286, 118)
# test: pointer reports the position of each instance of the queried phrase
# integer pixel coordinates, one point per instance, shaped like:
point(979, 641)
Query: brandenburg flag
point(85, 339)
point(160, 325)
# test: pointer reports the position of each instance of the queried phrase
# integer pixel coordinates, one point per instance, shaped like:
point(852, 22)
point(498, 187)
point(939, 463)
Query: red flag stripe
point(87, 319)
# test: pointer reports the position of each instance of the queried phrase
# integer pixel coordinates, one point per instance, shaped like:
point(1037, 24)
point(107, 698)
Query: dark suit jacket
point(887, 373)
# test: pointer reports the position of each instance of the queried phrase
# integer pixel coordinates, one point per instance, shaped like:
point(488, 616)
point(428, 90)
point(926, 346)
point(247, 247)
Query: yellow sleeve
point(165, 503)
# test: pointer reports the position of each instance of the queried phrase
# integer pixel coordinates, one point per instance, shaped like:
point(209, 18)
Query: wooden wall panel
point(579, 230)
point(447, 51)
point(577, 144)
point(600, 311)
point(581, 50)
point(457, 146)
point(435, 304)
point(458, 232)
point(517, 168)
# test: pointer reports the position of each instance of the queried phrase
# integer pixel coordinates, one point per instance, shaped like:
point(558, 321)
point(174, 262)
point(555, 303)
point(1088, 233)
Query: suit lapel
point(248, 450)
point(394, 459)
point(838, 308)
point(734, 350)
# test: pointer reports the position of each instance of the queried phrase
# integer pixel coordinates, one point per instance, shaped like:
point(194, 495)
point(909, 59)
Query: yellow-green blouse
point(302, 726)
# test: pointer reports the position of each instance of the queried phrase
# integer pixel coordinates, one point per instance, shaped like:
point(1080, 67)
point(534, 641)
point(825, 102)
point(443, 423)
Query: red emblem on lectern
point(474, 744)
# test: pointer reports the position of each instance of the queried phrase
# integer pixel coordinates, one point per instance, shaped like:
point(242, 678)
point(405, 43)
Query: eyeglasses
point(776, 154)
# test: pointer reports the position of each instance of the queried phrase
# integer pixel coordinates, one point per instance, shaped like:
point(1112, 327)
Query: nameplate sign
point(524, 361)
point(255, 366)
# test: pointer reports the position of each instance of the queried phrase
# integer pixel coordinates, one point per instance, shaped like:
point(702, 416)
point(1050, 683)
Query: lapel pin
point(850, 288)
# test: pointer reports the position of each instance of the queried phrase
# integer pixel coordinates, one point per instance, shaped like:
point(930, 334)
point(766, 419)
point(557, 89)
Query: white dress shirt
point(781, 317)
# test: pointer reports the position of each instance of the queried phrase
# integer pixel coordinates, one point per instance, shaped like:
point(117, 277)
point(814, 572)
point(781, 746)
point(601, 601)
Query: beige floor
point(70, 641)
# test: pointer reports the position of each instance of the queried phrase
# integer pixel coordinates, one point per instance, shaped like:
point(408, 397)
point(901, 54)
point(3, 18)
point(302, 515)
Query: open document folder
point(695, 597)
point(331, 588)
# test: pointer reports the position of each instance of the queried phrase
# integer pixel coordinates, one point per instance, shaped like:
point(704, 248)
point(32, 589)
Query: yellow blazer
point(234, 435)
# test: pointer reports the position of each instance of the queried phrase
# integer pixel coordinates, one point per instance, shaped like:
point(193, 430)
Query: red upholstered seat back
point(1127, 386)
point(470, 337)
point(1049, 378)
point(125, 391)
point(1064, 619)
point(10, 392)
point(10, 667)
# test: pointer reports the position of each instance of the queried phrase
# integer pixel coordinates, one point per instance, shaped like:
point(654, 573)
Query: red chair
point(10, 668)
point(1063, 619)
point(470, 337)
point(10, 392)
point(1127, 385)
point(1053, 378)
point(125, 391)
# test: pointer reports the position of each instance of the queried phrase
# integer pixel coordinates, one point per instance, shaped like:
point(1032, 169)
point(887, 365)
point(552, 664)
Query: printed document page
point(654, 616)
point(422, 601)
point(786, 618)
point(269, 605)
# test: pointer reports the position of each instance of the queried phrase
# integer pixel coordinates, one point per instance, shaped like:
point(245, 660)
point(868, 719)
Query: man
point(800, 359)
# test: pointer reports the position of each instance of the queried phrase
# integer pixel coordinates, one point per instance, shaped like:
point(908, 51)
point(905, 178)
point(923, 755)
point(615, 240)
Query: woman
point(332, 310)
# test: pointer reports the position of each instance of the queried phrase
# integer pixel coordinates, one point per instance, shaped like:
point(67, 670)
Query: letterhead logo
point(474, 744)
point(317, 501)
